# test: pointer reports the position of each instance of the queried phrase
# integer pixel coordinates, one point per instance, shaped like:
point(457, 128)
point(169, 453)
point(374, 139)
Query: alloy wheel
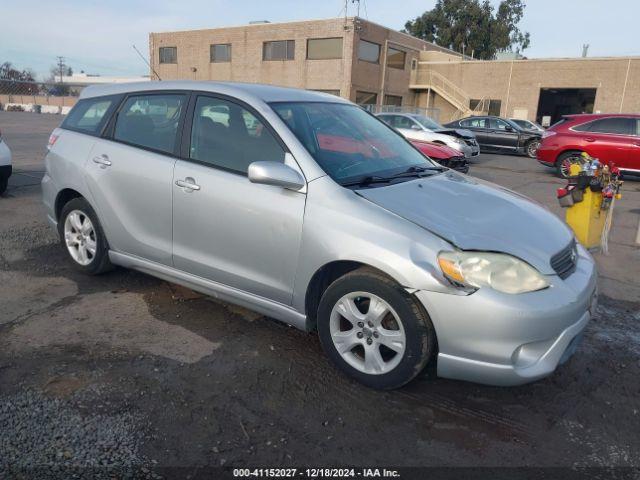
point(80, 237)
point(532, 149)
point(367, 333)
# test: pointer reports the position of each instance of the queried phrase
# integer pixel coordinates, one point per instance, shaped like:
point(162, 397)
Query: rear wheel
point(564, 162)
point(82, 236)
point(374, 331)
point(532, 148)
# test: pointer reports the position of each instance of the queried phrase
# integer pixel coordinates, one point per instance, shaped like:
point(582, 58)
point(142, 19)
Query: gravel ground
point(127, 370)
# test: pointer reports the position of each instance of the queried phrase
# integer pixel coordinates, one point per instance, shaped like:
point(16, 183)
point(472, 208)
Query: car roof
point(246, 91)
point(595, 116)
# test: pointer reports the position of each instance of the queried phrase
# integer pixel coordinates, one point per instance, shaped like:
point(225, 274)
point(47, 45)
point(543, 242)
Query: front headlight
point(499, 271)
point(459, 141)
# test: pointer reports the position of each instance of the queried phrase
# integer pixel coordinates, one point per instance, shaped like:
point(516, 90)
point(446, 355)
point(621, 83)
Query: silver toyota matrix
point(305, 208)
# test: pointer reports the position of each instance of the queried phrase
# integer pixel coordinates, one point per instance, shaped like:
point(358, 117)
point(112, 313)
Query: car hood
point(457, 132)
point(476, 215)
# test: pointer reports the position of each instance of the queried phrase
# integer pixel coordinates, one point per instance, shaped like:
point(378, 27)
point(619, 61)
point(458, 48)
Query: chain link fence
point(433, 113)
point(38, 97)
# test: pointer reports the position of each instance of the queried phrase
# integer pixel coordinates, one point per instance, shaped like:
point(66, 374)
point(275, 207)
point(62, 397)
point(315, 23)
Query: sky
point(97, 36)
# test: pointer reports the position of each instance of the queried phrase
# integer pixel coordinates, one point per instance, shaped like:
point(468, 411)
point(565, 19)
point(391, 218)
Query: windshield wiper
point(367, 180)
point(417, 171)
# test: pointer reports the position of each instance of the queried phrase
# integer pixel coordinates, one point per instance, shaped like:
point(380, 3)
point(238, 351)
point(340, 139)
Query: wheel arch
point(63, 197)
point(325, 276)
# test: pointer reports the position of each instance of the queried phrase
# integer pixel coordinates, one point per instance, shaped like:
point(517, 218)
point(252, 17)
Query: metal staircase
point(430, 80)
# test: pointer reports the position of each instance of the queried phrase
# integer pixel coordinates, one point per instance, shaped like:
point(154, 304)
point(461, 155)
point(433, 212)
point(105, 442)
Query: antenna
point(146, 61)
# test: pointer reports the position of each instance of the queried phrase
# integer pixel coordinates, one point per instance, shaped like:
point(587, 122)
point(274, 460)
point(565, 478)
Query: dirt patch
point(109, 320)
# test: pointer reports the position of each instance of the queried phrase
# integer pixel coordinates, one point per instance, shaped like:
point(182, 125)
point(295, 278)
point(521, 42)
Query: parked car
point(425, 129)
point(5, 165)
point(495, 134)
point(325, 218)
point(528, 124)
point(610, 138)
point(445, 156)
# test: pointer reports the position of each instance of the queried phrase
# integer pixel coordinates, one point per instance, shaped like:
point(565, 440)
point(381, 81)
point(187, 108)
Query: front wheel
point(374, 331)
point(532, 148)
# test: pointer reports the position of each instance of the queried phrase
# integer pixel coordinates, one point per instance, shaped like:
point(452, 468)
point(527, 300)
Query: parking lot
point(124, 369)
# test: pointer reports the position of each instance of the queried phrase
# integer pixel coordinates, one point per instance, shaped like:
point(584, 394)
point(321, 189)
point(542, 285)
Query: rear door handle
point(188, 184)
point(590, 139)
point(102, 160)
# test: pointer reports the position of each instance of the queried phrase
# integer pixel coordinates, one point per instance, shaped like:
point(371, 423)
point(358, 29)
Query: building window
point(366, 98)
point(494, 106)
point(395, 100)
point(369, 51)
point(332, 92)
point(324, 48)
point(168, 54)
point(396, 58)
point(220, 53)
point(278, 50)
point(414, 63)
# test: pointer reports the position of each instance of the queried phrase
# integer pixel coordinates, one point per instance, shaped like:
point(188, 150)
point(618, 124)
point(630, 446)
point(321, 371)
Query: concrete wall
point(517, 83)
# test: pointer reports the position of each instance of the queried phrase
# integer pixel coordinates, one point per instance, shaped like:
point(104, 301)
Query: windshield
point(347, 142)
point(427, 122)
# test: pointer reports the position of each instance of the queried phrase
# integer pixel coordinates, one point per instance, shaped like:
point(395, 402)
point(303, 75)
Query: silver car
point(419, 127)
point(5, 165)
point(305, 208)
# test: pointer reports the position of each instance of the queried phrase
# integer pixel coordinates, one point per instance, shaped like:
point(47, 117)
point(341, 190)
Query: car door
point(479, 126)
point(225, 228)
point(634, 161)
point(612, 140)
point(130, 174)
point(502, 136)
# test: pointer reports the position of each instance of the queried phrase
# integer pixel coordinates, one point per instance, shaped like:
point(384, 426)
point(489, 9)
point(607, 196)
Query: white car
point(418, 127)
point(5, 165)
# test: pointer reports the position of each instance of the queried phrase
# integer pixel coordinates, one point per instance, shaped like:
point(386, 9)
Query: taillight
point(53, 138)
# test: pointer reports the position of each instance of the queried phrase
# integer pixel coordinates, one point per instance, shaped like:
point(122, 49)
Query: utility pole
point(61, 66)
point(585, 50)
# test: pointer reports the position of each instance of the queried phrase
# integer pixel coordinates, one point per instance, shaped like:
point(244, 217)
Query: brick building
point(370, 64)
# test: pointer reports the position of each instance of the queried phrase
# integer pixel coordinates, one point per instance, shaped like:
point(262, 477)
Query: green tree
point(472, 26)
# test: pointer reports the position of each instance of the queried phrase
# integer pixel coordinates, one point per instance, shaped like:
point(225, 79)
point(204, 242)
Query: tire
point(405, 326)
point(4, 181)
point(564, 161)
point(531, 148)
point(76, 236)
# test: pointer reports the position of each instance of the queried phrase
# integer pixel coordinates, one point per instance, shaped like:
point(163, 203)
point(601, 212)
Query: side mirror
point(276, 174)
point(508, 128)
point(416, 127)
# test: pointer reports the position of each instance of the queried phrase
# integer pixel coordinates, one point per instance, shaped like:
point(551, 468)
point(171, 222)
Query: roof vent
point(258, 22)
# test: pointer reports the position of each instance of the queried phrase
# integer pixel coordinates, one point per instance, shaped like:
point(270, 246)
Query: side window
point(404, 122)
point(150, 121)
point(474, 123)
point(388, 119)
point(228, 136)
point(614, 125)
point(89, 116)
point(498, 124)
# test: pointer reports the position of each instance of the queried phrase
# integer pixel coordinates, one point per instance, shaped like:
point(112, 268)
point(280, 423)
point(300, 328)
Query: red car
point(445, 156)
point(609, 138)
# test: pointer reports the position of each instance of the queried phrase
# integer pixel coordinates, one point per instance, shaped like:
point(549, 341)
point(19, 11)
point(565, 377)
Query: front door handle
point(590, 139)
point(188, 184)
point(102, 160)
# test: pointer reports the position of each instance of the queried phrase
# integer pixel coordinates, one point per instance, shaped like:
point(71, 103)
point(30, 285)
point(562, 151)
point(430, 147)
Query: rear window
point(90, 115)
